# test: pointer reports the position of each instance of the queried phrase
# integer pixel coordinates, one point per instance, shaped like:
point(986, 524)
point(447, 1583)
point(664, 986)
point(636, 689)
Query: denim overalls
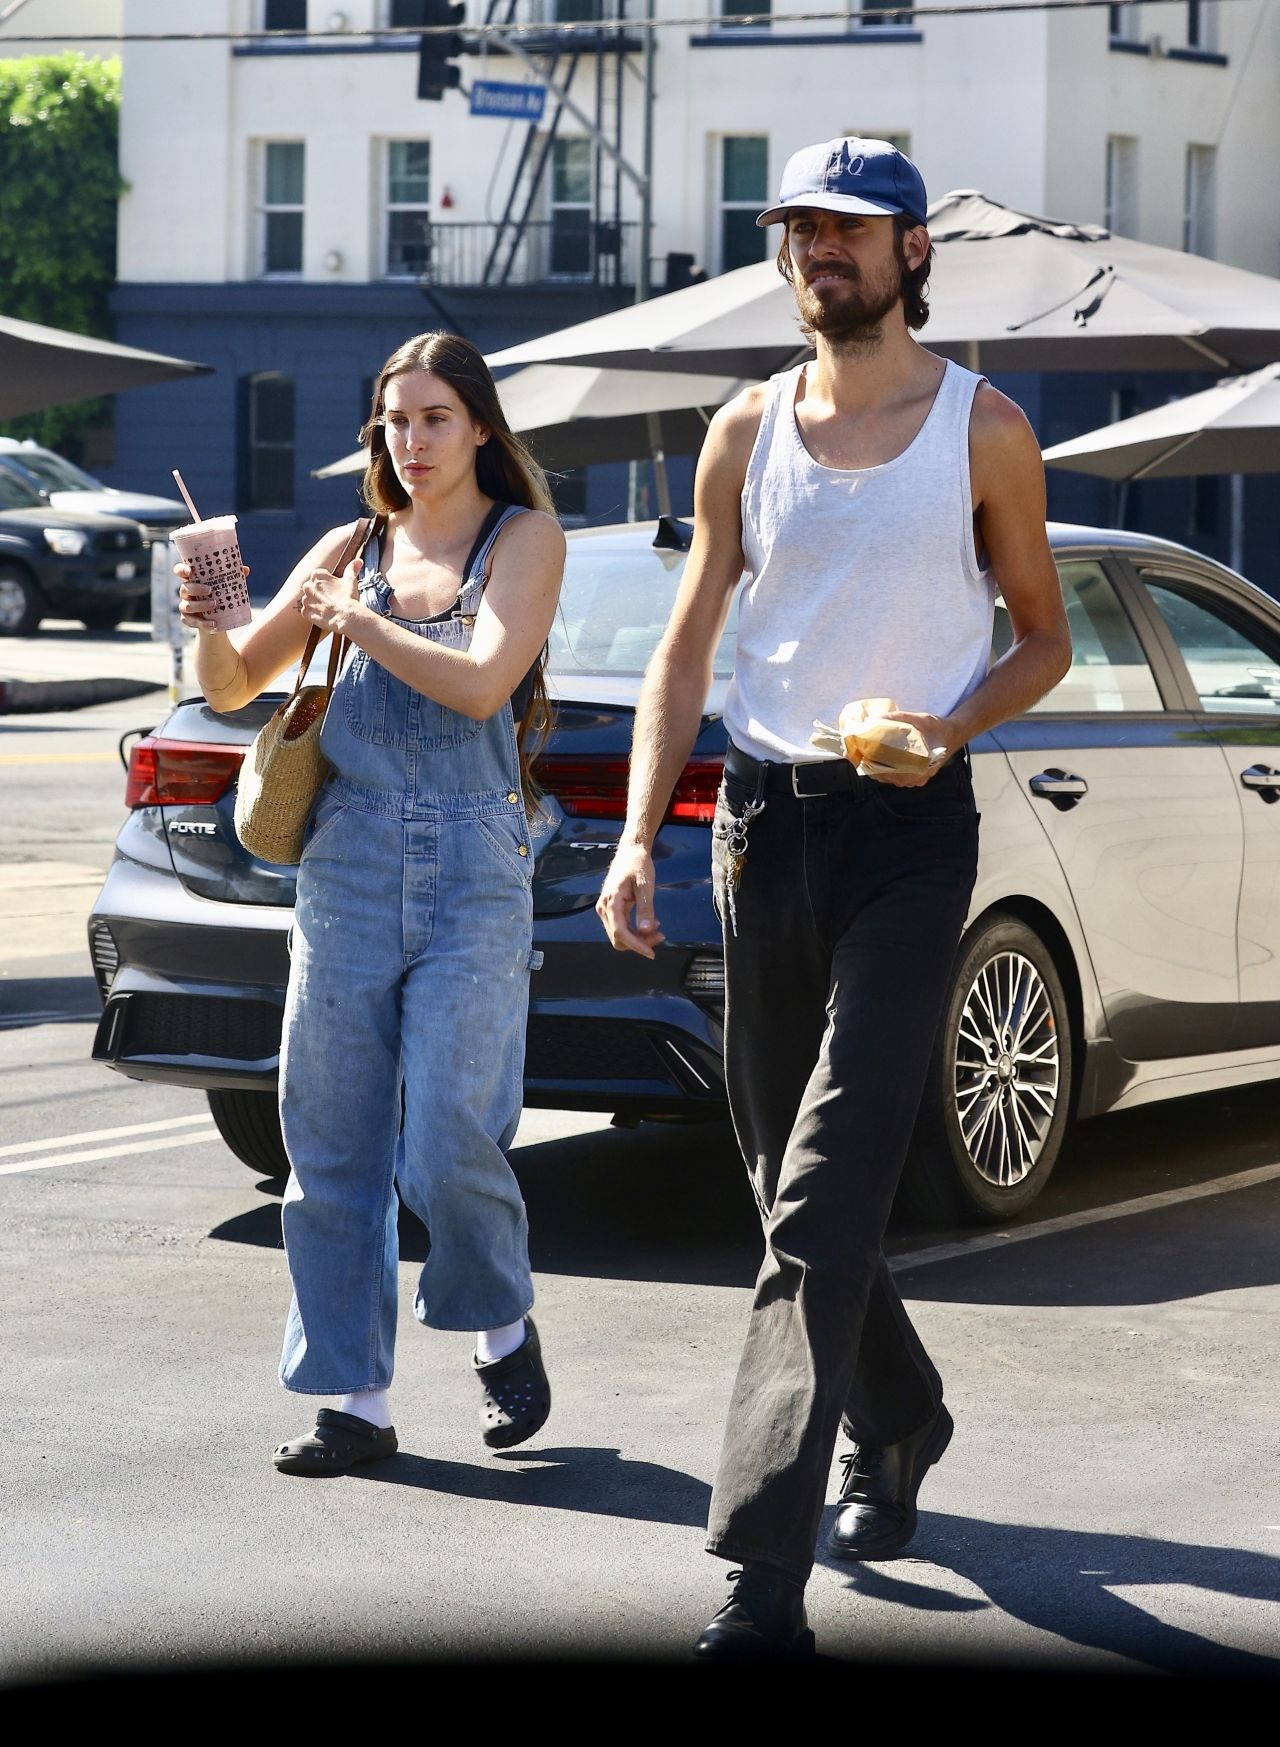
point(403, 1053)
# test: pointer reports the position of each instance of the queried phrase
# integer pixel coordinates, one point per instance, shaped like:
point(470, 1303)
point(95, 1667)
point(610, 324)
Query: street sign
point(508, 102)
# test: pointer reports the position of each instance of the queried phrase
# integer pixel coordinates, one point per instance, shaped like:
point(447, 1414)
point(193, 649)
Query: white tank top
point(861, 582)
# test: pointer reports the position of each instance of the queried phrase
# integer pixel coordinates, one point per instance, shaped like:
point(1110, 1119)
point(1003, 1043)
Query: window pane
point(284, 15)
point(408, 14)
point(1228, 669)
point(571, 242)
point(1108, 669)
point(741, 240)
point(409, 167)
point(408, 243)
point(283, 251)
point(884, 12)
point(745, 169)
point(571, 172)
point(271, 416)
point(731, 9)
point(285, 172)
point(577, 11)
point(615, 606)
point(272, 483)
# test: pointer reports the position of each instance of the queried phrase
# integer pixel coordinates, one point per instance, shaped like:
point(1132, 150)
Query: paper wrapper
point(876, 745)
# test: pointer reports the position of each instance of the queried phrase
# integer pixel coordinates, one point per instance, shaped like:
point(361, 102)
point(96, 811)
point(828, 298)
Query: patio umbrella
point(1009, 291)
point(571, 417)
point(43, 367)
point(1233, 427)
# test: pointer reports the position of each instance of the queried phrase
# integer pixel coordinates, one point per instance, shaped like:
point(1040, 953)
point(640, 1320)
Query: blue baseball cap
point(850, 175)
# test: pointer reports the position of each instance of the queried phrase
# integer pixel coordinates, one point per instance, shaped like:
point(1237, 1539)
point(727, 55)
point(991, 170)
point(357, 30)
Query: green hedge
point(59, 187)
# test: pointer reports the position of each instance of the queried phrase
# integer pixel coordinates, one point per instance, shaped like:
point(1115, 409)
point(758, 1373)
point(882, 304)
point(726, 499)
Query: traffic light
point(436, 54)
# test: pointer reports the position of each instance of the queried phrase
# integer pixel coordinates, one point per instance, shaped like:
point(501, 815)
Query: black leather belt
point(822, 776)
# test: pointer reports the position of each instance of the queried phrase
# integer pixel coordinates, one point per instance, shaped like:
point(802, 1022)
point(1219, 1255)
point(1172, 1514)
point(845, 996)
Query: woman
point(403, 1052)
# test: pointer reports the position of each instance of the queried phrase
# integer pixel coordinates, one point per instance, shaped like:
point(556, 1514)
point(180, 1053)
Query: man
point(875, 498)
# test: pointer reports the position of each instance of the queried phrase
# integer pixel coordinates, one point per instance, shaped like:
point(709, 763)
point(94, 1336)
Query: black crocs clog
point(517, 1396)
point(340, 1442)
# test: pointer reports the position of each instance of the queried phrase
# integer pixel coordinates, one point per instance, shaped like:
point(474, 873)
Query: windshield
point(54, 473)
point(15, 495)
point(614, 607)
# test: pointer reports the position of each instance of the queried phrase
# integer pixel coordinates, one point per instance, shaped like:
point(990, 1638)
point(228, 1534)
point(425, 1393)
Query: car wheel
point(998, 1095)
point(22, 606)
point(105, 617)
point(249, 1122)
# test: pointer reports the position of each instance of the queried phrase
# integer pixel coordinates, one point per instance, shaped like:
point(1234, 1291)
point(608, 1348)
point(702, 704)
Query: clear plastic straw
point(186, 496)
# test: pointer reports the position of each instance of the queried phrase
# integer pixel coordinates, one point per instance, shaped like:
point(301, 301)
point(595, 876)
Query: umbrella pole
point(1236, 490)
point(658, 455)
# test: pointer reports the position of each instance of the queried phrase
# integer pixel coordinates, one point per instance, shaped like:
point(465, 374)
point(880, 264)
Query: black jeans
point(849, 910)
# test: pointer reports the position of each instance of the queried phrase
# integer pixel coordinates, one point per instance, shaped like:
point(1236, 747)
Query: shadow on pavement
point(664, 1204)
point(600, 1482)
point(1061, 1581)
point(47, 1000)
point(1161, 1256)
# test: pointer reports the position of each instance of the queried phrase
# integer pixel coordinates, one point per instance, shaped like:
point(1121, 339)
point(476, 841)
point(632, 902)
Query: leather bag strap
point(364, 531)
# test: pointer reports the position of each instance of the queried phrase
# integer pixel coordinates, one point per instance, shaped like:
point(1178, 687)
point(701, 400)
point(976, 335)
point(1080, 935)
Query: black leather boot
point(879, 1492)
point(763, 1618)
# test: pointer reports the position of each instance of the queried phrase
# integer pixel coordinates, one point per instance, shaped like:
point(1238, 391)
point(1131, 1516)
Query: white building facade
point(294, 209)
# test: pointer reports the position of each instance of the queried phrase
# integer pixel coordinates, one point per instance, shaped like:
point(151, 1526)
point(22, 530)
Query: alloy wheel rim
point(1007, 1069)
point(13, 603)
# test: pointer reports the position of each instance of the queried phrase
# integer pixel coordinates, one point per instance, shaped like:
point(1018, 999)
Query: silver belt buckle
point(795, 782)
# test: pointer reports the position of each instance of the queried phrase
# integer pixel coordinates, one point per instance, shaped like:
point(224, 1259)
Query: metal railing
point(570, 249)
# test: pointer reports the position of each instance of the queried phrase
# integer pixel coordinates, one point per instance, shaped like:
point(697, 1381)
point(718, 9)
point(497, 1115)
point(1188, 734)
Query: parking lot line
point(193, 1137)
point(996, 1240)
point(23, 1147)
point(59, 758)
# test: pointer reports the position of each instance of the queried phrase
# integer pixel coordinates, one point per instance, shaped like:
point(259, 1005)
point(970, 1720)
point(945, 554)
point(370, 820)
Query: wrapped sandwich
point(868, 737)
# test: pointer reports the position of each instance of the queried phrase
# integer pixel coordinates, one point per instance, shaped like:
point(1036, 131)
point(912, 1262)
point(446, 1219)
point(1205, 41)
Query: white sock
point(371, 1404)
point(496, 1343)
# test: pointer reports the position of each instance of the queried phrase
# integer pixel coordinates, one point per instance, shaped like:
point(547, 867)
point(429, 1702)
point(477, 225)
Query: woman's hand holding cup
point(196, 604)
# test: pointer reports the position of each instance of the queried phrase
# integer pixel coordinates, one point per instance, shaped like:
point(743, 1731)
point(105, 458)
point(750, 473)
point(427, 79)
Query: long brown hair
point(505, 471)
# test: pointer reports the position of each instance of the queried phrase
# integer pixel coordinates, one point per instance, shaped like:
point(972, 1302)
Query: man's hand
point(937, 731)
point(326, 599)
point(629, 883)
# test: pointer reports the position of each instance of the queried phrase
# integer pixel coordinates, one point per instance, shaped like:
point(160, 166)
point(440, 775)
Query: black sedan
point(73, 563)
point(1123, 943)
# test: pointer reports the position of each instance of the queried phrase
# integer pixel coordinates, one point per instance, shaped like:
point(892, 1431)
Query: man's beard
point(854, 316)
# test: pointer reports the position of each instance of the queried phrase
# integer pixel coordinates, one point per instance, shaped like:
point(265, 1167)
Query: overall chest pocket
point(383, 710)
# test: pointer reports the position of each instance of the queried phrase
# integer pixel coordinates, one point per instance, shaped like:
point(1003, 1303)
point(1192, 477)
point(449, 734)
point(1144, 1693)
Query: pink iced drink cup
point(213, 552)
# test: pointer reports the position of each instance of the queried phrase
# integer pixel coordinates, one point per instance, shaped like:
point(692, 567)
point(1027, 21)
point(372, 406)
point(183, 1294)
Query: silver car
point(1123, 943)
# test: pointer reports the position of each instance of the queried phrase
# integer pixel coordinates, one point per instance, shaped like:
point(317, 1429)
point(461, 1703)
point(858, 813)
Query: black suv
point(75, 564)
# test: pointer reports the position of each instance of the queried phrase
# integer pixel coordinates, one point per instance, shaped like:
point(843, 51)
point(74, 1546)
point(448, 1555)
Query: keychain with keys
point(735, 852)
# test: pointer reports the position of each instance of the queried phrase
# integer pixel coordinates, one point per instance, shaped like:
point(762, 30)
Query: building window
point(267, 428)
point(1122, 23)
point(879, 14)
point(744, 175)
point(575, 11)
point(284, 15)
point(734, 12)
point(407, 14)
point(407, 208)
point(571, 184)
point(283, 179)
point(1201, 198)
point(1202, 25)
point(1121, 207)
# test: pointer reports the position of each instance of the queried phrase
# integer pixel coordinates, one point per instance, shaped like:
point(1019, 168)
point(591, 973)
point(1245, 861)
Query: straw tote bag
point(284, 767)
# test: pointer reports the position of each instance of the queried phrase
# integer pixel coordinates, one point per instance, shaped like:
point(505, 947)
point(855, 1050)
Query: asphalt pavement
point(1108, 1502)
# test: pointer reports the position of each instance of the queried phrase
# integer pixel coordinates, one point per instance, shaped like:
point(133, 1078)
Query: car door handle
point(1263, 779)
point(1059, 787)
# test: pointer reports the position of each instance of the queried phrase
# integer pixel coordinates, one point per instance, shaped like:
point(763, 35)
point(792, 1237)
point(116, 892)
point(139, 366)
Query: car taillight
point(179, 773)
point(596, 788)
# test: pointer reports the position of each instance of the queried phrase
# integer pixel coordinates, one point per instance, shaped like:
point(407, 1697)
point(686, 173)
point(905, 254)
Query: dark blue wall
point(332, 339)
